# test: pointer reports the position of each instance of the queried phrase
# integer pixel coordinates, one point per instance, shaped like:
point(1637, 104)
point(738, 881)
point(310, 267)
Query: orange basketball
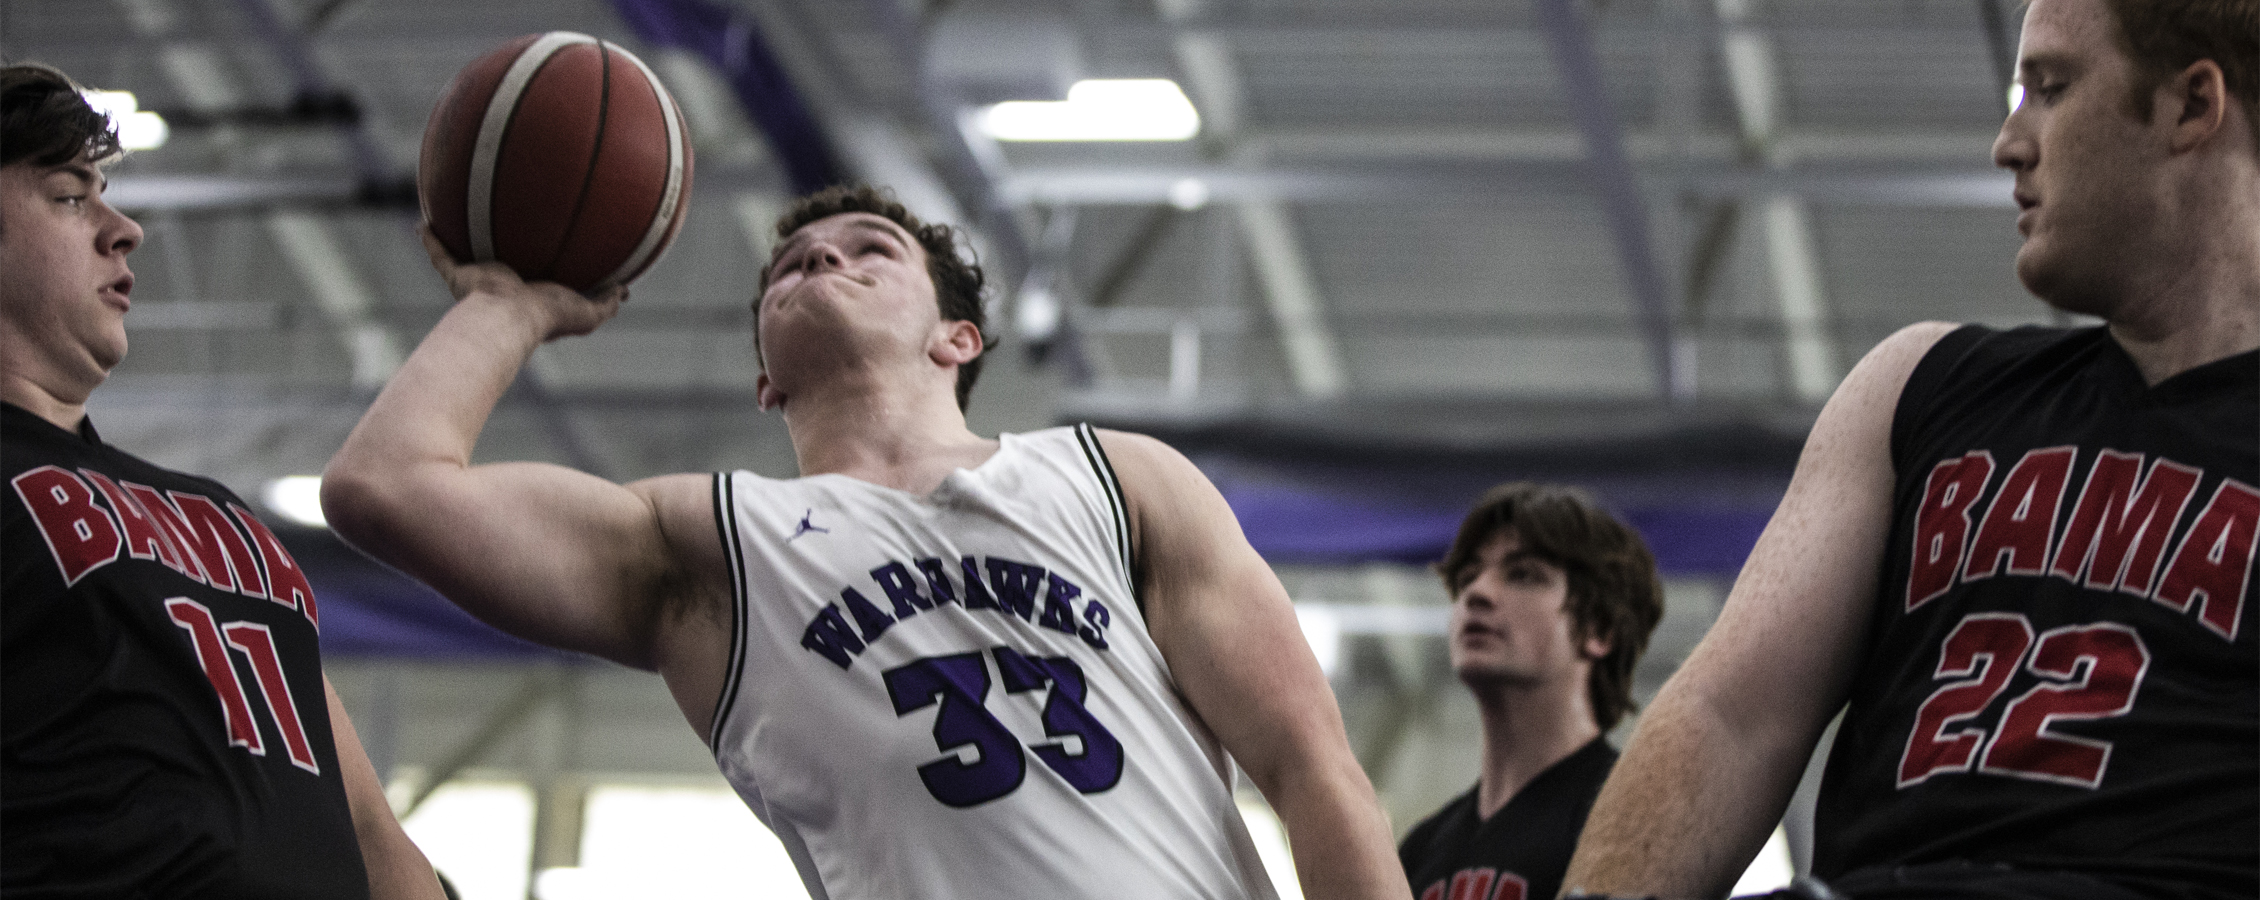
point(560, 155)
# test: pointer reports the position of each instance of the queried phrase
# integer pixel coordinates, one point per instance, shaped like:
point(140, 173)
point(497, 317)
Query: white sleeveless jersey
point(955, 696)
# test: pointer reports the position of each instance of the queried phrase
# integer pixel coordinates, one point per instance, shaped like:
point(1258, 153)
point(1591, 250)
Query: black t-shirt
point(1522, 850)
point(2061, 671)
point(164, 731)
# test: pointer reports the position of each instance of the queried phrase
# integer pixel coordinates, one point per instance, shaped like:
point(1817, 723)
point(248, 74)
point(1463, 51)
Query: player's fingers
point(444, 262)
point(611, 301)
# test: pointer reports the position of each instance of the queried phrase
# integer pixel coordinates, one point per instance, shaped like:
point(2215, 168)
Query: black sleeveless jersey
point(163, 727)
point(2061, 669)
point(1521, 851)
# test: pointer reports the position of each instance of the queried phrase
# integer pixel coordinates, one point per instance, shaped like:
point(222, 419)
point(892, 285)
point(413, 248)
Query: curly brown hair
point(43, 119)
point(958, 280)
point(1614, 591)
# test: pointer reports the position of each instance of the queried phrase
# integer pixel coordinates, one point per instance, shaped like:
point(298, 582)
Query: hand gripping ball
point(560, 155)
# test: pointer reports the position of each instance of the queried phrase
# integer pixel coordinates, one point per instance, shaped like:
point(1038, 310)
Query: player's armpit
point(1718, 752)
point(1226, 628)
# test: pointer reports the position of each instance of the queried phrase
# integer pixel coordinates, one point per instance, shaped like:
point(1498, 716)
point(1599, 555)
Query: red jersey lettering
point(216, 552)
point(221, 536)
point(204, 634)
point(286, 582)
point(2022, 518)
point(258, 645)
point(176, 530)
point(1980, 654)
point(2094, 671)
point(2117, 534)
point(2214, 565)
point(80, 535)
point(1942, 524)
point(1478, 884)
point(2087, 672)
point(144, 540)
point(1472, 884)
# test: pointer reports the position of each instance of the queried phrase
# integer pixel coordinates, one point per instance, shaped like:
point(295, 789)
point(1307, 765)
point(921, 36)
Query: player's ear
point(2196, 104)
point(767, 393)
point(1593, 642)
point(959, 343)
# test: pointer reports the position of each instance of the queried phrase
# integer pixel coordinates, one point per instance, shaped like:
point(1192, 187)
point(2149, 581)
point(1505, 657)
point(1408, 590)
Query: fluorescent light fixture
point(297, 498)
point(1120, 109)
point(1037, 315)
point(137, 130)
point(1188, 194)
point(1323, 629)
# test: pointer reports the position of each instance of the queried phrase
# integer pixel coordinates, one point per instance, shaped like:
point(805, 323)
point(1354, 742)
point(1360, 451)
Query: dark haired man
point(1553, 601)
point(936, 664)
point(2020, 561)
point(165, 726)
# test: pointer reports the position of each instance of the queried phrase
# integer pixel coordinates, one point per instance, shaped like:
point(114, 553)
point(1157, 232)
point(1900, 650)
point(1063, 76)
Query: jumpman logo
point(806, 526)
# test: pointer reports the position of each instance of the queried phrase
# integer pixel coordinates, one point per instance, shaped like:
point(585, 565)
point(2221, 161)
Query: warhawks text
point(1010, 588)
point(91, 521)
point(2119, 536)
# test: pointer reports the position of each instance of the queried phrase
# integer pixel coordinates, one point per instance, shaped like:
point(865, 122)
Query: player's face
point(63, 277)
point(2085, 163)
point(1510, 623)
point(846, 281)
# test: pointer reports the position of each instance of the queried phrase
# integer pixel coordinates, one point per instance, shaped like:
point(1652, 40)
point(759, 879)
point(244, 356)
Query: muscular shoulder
point(1155, 467)
point(1179, 523)
point(1158, 483)
point(1130, 446)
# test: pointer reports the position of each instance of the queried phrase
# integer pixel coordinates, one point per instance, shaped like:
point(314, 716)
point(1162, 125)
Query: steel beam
point(1609, 170)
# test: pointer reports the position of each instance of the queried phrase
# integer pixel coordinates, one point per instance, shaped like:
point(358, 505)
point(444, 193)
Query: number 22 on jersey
point(2085, 672)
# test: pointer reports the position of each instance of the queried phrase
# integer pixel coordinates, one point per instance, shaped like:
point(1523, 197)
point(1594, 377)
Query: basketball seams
point(487, 149)
point(552, 161)
point(667, 216)
point(589, 168)
point(443, 170)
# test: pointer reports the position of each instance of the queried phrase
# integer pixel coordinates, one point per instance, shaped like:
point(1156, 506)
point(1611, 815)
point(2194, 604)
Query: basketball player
point(165, 726)
point(2021, 561)
point(936, 664)
point(1552, 603)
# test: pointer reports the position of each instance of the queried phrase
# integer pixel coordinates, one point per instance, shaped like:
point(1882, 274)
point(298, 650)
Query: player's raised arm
point(1228, 632)
point(542, 551)
point(1718, 752)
